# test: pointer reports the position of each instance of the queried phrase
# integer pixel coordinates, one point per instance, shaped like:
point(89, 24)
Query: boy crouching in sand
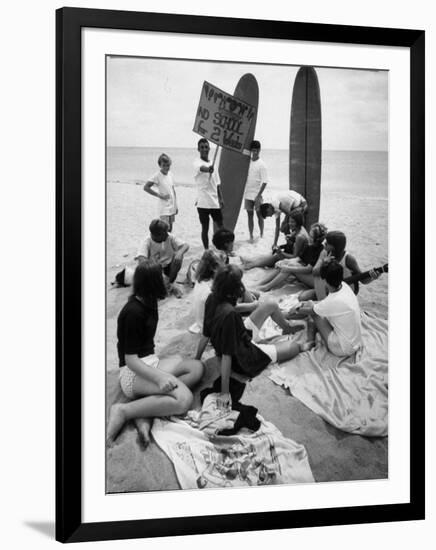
point(337, 316)
point(165, 249)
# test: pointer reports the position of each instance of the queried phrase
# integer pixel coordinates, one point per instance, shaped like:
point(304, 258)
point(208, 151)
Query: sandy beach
point(333, 454)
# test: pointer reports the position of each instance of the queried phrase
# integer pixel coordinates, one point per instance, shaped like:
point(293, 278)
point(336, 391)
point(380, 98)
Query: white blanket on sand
point(349, 393)
point(202, 460)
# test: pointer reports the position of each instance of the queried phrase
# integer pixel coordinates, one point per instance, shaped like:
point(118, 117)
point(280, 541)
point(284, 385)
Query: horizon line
point(264, 149)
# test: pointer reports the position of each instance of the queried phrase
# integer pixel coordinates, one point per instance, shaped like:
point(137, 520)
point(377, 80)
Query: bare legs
point(260, 221)
point(288, 350)
point(268, 260)
point(322, 326)
point(274, 280)
point(152, 402)
point(250, 216)
point(270, 308)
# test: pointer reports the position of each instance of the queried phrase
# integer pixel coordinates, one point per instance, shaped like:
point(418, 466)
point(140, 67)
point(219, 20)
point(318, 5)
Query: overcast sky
point(153, 102)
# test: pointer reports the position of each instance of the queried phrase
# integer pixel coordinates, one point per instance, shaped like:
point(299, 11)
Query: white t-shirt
point(342, 310)
point(257, 174)
point(162, 253)
point(288, 201)
point(165, 186)
point(199, 296)
point(207, 194)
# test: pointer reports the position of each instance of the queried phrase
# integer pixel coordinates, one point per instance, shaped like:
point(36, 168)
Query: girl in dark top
point(296, 242)
point(235, 341)
point(335, 249)
point(154, 387)
point(301, 267)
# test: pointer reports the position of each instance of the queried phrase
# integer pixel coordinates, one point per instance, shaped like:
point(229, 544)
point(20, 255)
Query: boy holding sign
point(209, 201)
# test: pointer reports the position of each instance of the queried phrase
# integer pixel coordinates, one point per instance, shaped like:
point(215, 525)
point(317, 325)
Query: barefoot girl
point(334, 249)
point(154, 387)
point(300, 267)
point(204, 275)
point(235, 341)
point(296, 241)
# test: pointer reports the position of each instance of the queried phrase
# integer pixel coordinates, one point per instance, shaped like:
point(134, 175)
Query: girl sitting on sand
point(300, 267)
point(154, 387)
point(204, 275)
point(296, 242)
point(236, 341)
point(334, 249)
point(207, 267)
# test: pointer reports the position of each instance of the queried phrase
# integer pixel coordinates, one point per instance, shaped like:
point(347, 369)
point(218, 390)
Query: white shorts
point(249, 325)
point(338, 347)
point(269, 349)
point(127, 376)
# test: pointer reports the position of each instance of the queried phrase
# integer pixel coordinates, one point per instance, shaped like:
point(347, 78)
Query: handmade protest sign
point(223, 118)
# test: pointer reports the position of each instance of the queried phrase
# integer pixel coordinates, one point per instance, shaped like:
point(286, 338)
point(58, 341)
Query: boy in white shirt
point(337, 316)
point(166, 250)
point(257, 180)
point(283, 203)
point(209, 200)
point(164, 190)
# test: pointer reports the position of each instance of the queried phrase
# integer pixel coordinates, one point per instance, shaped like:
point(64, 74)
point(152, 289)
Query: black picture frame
point(69, 22)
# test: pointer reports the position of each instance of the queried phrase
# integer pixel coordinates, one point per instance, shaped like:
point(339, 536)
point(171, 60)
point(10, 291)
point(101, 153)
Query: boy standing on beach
point(165, 249)
point(164, 190)
point(209, 200)
point(257, 180)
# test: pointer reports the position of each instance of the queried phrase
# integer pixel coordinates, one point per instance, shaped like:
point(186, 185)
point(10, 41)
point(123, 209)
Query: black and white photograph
point(247, 227)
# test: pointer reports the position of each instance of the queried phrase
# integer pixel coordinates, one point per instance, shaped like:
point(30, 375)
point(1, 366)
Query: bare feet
point(307, 346)
point(246, 264)
point(117, 419)
point(172, 289)
point(143, 426)
point(294, 313)
point(307, 295)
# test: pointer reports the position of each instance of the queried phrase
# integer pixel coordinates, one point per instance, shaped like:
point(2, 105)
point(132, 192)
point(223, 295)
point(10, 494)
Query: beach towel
point(204, 460)
point(349, 393)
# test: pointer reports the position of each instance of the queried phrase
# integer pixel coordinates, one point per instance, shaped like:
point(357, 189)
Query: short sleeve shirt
point(342, 310)
point(257, 174)
point(225, 328)
point(136, 328)
point(207, 192)
point(287, 201)
point(165, 186)
point(162, 253)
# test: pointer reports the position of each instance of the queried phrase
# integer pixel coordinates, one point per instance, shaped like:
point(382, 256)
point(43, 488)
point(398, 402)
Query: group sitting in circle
point(227, 314)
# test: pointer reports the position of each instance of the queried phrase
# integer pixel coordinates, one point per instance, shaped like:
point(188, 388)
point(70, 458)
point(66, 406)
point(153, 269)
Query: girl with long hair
point(236, 342)
point(154, 387)
point(301, 267)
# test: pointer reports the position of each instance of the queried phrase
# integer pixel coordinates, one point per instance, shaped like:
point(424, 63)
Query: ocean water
point(354, 199)
point(362, 174)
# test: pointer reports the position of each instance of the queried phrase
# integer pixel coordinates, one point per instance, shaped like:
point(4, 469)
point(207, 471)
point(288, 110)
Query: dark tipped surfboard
point(305, 141)
point(233, 167)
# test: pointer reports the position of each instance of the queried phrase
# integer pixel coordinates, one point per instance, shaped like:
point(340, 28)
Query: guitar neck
point(365, 274)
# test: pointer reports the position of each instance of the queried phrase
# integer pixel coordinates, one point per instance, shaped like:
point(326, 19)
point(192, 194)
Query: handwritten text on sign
point(222, 118)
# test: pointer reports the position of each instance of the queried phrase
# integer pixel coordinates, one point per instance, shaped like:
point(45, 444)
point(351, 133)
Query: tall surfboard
point(305, 141)
point(233, 167)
